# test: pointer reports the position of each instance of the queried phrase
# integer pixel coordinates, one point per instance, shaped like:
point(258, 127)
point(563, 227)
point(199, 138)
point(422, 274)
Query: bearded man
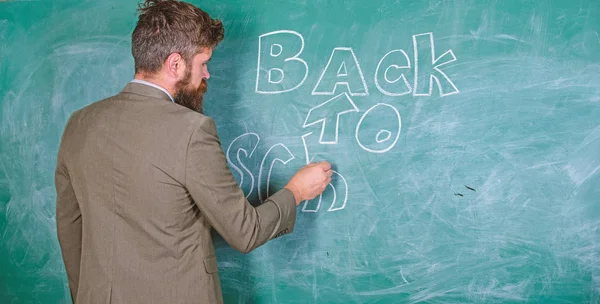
point(141, 177)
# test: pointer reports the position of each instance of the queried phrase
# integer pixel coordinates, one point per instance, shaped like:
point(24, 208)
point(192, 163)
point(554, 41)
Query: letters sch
point(281, 69)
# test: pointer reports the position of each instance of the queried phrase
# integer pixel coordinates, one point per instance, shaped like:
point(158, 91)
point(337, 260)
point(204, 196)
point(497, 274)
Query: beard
point(188, 96)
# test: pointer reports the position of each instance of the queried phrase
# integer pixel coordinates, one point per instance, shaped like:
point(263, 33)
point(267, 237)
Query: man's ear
point(175, 66)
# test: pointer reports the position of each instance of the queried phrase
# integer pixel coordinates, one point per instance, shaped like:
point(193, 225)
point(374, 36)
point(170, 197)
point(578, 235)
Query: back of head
point(170, 26)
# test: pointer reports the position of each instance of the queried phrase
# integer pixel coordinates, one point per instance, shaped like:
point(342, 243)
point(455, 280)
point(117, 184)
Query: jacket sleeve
point(68, 224)
point(218, 196)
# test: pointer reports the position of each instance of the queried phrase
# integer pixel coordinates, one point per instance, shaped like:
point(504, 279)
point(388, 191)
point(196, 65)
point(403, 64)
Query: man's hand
point(310, 181)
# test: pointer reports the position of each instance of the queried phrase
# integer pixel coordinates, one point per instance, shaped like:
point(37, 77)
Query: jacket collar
point(146, 90)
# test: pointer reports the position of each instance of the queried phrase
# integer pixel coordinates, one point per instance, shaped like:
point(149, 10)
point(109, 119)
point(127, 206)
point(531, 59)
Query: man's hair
point(169, 26)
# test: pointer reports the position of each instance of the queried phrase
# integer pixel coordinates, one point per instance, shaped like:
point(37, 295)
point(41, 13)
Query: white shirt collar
point(153, 85)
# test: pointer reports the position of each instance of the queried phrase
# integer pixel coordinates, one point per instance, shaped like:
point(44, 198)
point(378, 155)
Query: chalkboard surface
point(465, 137)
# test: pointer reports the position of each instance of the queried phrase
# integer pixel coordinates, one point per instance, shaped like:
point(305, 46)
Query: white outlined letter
point(341, 188)
point(328, 112)
point(279, 68)
point(379, 142)
point(341, 69)
point(391, 86)
point(423, 45)
point(241, 145)
point(265, 172)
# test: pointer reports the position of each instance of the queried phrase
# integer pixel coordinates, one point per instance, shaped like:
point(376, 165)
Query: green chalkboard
point(465, 136)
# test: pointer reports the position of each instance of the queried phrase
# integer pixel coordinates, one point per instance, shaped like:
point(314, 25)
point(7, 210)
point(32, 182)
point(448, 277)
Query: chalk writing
point(326, 112)
point(244, 142)
point(448, 87)
point(277, 63)
point(329, 80)
point(343, 69)
point(281, 69)
point(336, 203)
point(265, 175)
point(391, 88)
point(337, 179)
point(379, 146)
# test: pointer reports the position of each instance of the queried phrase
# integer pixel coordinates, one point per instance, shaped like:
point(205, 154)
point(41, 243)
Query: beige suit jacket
point(140, 182)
